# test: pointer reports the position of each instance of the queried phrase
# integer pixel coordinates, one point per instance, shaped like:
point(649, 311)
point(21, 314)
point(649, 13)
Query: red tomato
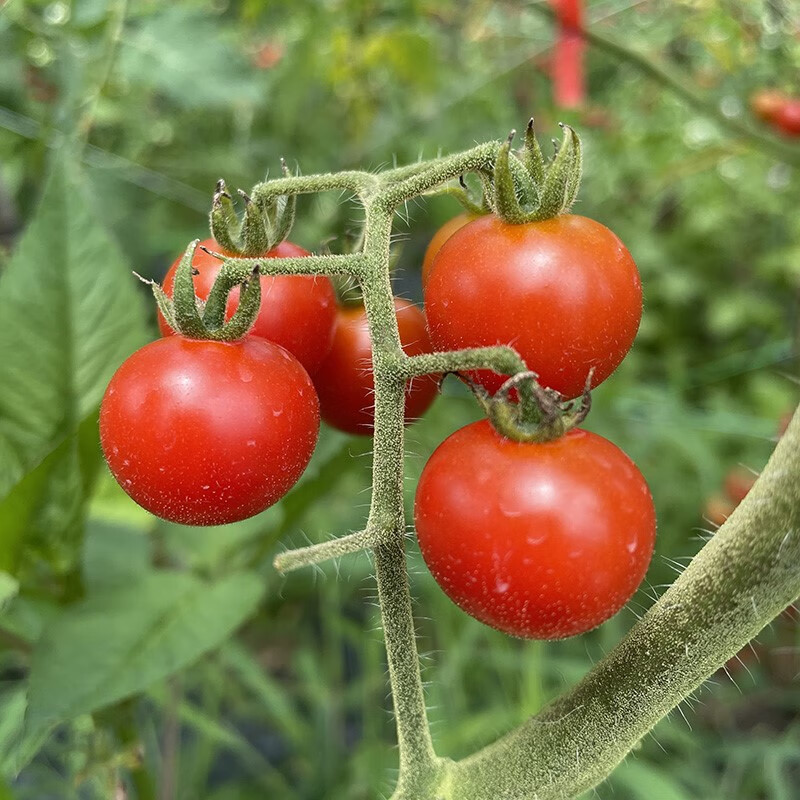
point(439, 238)
point(738, 482)
point(344, 381)
point(297, 311)
point(542, 541)
point(766, 103)
point(787, 117)
point(565, 293)
point(205, 433)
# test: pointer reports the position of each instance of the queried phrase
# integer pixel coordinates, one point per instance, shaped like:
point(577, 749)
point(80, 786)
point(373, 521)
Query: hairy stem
point(333, 548)
point(500, 359)
point(413, 733)
point(359, 183)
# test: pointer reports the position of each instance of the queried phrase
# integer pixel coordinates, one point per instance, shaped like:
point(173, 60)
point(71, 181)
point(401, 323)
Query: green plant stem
point(361, 183)
point(333, 548)
point(681, 87)
point(123, 721)
point(500, 359)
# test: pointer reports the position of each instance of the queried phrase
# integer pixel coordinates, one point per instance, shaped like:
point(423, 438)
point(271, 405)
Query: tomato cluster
point(538, 539)
point(206, 433)
point(533, 526)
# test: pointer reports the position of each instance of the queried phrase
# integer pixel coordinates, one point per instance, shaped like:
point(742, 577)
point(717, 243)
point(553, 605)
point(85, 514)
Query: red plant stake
point(569, 87)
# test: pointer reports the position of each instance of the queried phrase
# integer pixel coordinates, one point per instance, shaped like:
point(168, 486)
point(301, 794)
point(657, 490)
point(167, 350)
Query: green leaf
point(647, 782)
point(114, 555)
point(116, 643)
point(9, 586)
point(47, 507)
point(70, 314)
point(159, 56)
point(17, 747)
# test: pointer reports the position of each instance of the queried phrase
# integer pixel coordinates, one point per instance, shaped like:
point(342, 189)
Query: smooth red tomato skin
point(787, 117)
point(206, 433)
point(541, 541)
point(297, 311)
point(565, 293)
point(345, 382)
point(439, 238)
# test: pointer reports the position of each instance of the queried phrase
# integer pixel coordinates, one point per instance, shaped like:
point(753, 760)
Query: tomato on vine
point(206, 433)
point(297, 311)
point(540, 540)
point(564, 292)
point(439, 238)
point(345, 382)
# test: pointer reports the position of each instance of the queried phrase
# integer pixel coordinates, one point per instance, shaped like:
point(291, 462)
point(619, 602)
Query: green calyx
point(264, 224)
point(539, 415)
point(527, 188)
point(189, 316)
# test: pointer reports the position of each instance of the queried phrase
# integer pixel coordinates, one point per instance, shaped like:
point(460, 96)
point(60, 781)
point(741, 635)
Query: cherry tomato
point(541, 541)
point(439, 238)
point(205, 433)
point(345, 382)
point(765, 103)
point(738, 482)
point(565, 293)
point(787, 117)
point(297, 311)
point(718, 509)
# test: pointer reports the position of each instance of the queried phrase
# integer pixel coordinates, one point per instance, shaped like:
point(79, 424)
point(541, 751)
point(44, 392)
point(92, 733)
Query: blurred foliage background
point(168, 97)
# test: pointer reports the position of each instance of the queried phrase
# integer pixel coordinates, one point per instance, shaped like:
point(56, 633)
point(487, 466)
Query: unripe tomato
point(297, 311)
point(787, 117)
point(205, 433)
point(541, 541)
point(439, 238)
point(345, 381)
point(564, 292)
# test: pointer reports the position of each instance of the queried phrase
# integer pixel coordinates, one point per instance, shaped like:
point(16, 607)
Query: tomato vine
point(739, 581)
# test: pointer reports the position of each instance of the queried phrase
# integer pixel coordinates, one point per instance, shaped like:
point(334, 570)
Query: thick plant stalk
point(742, 578)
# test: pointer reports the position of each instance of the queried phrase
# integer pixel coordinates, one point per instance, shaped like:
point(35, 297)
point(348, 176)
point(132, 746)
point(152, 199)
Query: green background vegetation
point(114, 628)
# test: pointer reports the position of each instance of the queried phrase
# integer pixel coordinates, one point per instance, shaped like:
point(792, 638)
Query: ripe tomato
point(565, 293)
point(787, 117)
point(439, 238)
point(297, 311)
point(205, 433)
point(541, 541)
point(765, 103)
point(344, 381)
point(738, 482)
